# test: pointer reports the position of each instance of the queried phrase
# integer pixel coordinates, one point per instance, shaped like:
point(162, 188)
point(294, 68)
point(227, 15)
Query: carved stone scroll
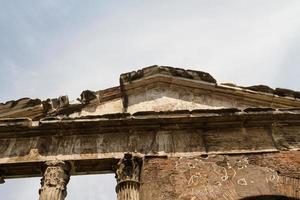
point(128, 177)
point(56, 175)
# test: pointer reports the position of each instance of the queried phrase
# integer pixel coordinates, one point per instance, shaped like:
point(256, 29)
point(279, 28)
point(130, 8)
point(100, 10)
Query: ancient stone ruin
point(166, 133)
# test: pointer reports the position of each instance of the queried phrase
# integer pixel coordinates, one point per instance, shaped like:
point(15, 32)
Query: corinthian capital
point(56, 175)
point(128, 176)
point(128, 168)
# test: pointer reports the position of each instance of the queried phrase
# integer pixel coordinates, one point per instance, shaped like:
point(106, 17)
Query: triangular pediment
point(165, 88)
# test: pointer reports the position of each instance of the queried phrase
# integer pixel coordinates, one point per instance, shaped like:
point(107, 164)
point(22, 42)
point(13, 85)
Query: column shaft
point(128, 191)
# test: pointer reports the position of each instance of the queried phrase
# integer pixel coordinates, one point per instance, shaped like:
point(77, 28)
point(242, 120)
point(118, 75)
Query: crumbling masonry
point(166, 133)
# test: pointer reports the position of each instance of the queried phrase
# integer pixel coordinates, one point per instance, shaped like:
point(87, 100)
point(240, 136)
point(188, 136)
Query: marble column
point(56, 175)
point(128, 178)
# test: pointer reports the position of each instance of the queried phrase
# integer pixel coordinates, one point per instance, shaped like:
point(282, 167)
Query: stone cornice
point(213, 117)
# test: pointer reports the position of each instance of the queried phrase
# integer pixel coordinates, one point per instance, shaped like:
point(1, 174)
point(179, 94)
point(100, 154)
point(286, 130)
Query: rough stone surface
point(88, 96)
point(261, 88)
point(214, 177)
point(166, 70)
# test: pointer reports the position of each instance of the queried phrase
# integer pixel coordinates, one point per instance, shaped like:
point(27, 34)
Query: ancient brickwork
point(216, 177)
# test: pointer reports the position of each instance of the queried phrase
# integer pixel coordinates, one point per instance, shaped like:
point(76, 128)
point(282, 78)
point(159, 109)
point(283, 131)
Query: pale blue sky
point(56, 47)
